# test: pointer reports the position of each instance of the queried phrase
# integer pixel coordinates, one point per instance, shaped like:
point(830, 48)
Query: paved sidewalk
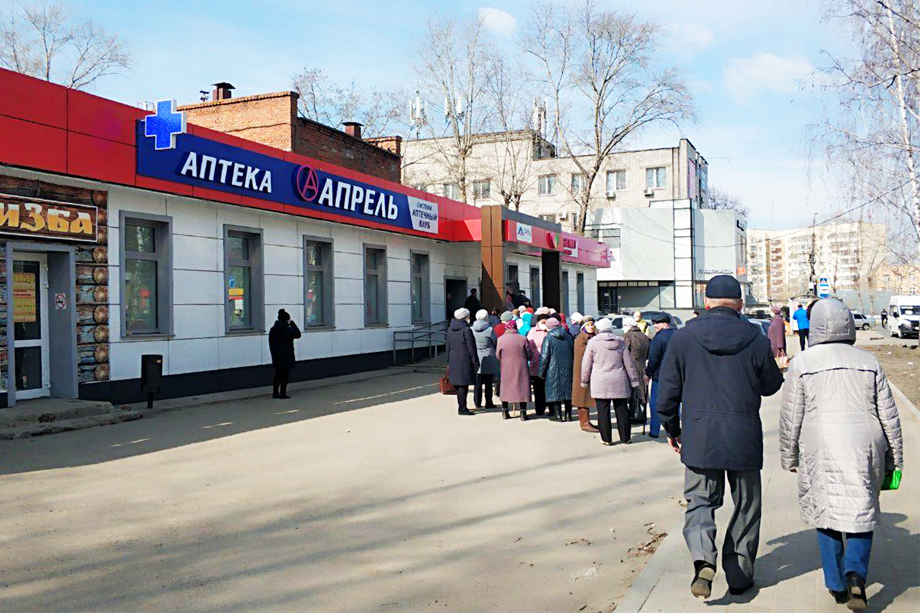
point(788, 571)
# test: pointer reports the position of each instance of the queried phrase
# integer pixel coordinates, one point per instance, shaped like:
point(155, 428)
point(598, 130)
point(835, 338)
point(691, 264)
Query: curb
point(656, 569)
point(188, 402)
point(899, 395)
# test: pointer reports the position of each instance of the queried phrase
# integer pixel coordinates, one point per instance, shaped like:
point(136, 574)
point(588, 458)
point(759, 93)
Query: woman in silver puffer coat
point(839, 430)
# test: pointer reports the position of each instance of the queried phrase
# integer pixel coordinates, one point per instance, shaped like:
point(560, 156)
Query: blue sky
point(744, 61)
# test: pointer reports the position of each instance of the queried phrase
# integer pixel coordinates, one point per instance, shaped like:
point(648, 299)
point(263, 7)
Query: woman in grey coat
point(839, 430)
point(486, 342)
point(609, 370)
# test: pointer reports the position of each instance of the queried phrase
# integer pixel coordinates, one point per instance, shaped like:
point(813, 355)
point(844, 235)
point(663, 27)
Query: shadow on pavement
point(180, 427)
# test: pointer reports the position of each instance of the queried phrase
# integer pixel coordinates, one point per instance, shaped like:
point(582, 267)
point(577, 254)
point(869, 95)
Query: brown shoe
point(583, 420)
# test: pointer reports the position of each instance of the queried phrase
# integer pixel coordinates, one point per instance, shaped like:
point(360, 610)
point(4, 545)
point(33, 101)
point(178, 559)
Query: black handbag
point(636, 408)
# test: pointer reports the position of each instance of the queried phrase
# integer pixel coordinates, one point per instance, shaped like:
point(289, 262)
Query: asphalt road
point(371, 496)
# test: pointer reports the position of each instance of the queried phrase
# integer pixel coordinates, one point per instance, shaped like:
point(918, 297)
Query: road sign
point(60, 301)
point(824, 288)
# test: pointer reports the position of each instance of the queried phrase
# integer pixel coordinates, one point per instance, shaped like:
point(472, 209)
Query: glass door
point(30, 326)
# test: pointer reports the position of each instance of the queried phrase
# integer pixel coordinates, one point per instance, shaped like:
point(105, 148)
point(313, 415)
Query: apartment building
point(784, 263)
point(898, 278)
point(648, 205)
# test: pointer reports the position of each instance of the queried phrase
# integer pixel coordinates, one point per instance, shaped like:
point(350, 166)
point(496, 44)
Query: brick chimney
point(221, 91)
point(353, 128)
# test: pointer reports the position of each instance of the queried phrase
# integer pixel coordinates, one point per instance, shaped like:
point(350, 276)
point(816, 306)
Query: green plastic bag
point(892, 480)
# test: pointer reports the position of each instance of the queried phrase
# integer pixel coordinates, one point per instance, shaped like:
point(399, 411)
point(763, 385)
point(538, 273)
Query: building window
point(575, 221)
point(421, 300)
point(375, 286)
point(578, 183)
point(535, 287)
point(549, 218)
point(146, 262)
point(244, 308)
point(656, 178)
point(616, 181)
point(481, 190)
point(546, 185)
point(565, 291)
point(512, 282)
point(318, 283)
point(450, 190)
point(580, 290)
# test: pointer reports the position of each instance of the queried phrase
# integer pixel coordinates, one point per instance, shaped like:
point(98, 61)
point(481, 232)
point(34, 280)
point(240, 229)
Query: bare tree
point(721, 200)
point(327, 102)
point(507, 154)
point(600, 65)
point(453, 65)
point(872, 135)
point(48, 42)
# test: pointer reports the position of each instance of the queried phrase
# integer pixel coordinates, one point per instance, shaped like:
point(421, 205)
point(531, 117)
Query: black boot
point(523, 409)
point(701, 587)
point(505, 413)
point(841, 597)
point(568, 413)
point(856, 588)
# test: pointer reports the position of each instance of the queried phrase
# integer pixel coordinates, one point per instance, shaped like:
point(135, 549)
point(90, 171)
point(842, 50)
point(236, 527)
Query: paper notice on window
point(24, 298)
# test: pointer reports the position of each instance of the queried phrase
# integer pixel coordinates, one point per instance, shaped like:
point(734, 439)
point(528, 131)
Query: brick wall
point(271, 119)
point(266, 118)
point(334, 146)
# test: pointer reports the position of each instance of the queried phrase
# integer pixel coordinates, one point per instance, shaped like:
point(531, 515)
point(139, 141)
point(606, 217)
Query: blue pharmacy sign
point(165, 151)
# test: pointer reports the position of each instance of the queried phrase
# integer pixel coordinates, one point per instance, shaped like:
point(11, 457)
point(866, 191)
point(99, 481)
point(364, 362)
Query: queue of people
point(557, 365)
point(707, 383)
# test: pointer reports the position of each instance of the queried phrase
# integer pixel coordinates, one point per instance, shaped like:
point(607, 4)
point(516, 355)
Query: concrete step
point(50, 410)
point(66, 425)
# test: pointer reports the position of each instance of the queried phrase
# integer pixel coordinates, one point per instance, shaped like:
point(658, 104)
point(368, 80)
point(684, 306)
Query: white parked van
point(904, 316)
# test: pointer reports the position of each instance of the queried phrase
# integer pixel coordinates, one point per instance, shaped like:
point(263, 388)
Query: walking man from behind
point(801, 320)
point(718, 367)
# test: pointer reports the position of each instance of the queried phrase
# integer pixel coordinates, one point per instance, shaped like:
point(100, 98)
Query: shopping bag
point(892, 480)
point(446, 388)
point(782, 360)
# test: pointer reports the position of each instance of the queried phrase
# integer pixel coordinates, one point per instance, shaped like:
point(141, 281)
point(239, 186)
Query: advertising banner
point(209, 164)
point(38, 218)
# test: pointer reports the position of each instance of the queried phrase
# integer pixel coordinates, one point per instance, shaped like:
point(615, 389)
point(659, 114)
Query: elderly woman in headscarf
point(536, 336)
point(777, 332)
point(556, 359)
point(514, 353)
point(638, 344)
point(462, 357)
point(581, 396)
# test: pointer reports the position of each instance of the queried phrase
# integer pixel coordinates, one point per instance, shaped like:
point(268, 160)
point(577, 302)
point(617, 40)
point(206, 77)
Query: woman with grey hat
point(488, 363)
point(462, 357)
point(609, 370)
point(840, 431)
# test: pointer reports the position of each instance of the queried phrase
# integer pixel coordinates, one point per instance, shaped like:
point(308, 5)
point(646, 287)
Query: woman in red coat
point(514, 352)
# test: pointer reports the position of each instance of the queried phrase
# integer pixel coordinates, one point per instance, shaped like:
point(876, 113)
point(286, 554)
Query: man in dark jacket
point(718, 367)
point(472, 303)
point(656, 352)
point(281, 344)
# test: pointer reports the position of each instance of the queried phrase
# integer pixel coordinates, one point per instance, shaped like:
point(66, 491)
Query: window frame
point(547, 181)
point(482, 194)
point(328, 270)
point(658, 172)
point(580, 291)
point(616, 186)
point(256, 280)
point(163, 255)
point(578, 178)
point(425, 276)
point(381, 275)
point(449, 189)
point(565, 291)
